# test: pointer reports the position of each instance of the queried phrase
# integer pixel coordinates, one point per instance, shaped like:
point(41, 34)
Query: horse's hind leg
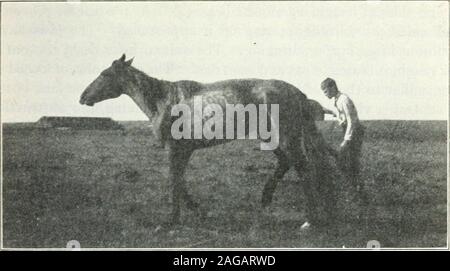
point(271, 184)
point(306, 169)
point(179, 158)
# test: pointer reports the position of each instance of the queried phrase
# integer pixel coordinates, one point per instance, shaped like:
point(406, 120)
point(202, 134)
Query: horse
point(300, 144)
point(316, 110)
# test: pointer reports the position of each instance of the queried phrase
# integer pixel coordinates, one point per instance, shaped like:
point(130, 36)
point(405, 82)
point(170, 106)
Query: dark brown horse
point(300, 144)
point(316, 110)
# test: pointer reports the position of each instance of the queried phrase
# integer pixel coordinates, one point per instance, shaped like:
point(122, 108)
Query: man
point(347, 115)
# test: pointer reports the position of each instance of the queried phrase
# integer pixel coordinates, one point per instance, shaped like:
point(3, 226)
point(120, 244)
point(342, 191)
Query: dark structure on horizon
point(83, 123)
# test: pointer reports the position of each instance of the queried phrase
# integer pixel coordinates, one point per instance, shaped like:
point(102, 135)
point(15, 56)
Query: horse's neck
point(150, 94)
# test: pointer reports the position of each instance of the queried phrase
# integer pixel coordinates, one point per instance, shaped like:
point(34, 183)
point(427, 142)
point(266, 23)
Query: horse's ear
point(128, 62)
point(122, 58)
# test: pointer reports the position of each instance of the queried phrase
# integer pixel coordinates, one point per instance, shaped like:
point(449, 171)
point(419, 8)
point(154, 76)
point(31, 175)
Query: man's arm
point(350, 116)
point(328, 111)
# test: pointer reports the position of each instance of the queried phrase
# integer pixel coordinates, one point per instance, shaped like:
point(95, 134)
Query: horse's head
point(107, 84)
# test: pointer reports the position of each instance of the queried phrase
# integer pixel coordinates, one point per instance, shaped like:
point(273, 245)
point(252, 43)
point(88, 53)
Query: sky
point(391, 58)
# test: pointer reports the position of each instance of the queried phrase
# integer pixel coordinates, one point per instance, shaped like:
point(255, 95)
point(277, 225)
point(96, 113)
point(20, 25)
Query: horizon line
point(12, 122)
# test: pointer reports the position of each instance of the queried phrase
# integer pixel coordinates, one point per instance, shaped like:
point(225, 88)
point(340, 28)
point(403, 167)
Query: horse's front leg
point(179, 158)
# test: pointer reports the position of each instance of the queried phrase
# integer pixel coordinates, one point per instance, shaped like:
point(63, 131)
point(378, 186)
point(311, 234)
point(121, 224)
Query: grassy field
point(110, 189)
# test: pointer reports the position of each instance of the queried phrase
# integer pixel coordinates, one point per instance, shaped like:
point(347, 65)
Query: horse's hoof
point(305, 227)
point(192, 205)
point(164, 228)
point(201, 213)
point(158, 229)
point(265, 202)
point(175, 220)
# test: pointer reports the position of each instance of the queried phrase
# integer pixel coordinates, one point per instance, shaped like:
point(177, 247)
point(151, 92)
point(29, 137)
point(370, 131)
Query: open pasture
point(110, 189)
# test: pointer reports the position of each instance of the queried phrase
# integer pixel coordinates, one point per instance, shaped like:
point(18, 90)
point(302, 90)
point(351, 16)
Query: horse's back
point(293, 120)
point(292, 103)
point(293, 110)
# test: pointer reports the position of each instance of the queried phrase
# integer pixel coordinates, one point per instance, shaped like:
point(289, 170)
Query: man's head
point(329, 88)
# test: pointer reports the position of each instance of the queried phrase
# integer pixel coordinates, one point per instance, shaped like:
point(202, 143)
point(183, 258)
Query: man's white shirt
point(347, 114)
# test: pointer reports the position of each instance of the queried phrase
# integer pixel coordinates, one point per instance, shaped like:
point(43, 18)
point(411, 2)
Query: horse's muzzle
point(83, 100)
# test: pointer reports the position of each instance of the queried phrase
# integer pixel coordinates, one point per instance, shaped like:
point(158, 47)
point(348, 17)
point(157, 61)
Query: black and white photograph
point(263, 125)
